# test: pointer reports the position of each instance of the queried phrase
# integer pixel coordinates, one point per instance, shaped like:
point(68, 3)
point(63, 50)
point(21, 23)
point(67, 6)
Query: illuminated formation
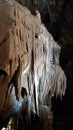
point(29, 60)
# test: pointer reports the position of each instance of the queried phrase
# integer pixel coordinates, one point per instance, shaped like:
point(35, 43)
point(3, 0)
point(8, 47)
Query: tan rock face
point(17, 34)
point(29, 58)
point(13, 38)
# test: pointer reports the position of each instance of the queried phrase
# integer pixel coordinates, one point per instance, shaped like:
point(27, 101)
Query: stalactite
point(34, 58)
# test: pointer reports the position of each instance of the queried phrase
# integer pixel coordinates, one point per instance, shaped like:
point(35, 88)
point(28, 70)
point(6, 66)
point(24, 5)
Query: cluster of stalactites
point(45, 77)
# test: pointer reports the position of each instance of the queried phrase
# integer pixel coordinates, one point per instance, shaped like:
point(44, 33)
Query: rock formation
point(57, 15)
point(29, 59)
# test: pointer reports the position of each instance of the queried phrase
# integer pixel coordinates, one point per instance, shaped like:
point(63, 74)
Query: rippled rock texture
point(30, 73)
point(57, 15)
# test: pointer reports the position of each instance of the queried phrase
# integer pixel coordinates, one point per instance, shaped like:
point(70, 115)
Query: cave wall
point(32, 55)
point(58, 18)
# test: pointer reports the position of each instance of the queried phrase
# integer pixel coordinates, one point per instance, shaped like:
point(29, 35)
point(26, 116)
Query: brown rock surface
point(17, 30)
point(29, 58)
